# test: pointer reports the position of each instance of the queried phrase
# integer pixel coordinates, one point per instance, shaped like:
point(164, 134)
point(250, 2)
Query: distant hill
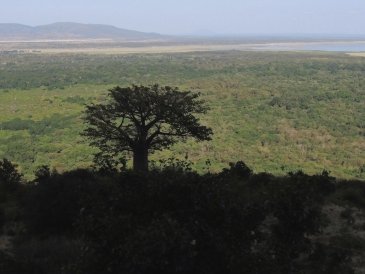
point(71, 31)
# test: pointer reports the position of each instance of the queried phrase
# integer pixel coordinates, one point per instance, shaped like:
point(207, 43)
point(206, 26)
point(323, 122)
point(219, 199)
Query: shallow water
point(317, 46)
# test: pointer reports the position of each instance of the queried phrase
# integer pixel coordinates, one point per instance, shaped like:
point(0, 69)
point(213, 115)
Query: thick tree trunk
point(140, 159)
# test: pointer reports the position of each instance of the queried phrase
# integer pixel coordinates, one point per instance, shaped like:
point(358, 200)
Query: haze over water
point(315, 46)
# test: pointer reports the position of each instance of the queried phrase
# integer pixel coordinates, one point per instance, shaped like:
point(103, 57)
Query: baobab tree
point(142, 119)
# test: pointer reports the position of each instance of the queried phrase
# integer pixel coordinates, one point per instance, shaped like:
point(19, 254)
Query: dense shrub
point(51, 255)
point(351, 193)
point(9, 175)
point(8, 264)
point(2, 220)
point(174, 220)
point(329, 258)
point(52, 205)
point(181, 222)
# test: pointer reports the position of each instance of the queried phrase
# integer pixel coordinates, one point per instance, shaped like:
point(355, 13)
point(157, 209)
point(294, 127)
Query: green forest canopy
point(276, 111)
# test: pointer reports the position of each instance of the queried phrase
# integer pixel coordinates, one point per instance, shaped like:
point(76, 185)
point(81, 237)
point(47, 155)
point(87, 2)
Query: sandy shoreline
point(112, 47)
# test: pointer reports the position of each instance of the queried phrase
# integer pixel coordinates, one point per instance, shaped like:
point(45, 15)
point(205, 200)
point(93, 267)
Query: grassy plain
point(278, 112)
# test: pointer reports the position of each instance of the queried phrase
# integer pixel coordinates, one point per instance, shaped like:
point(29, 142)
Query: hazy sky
point(197, 16)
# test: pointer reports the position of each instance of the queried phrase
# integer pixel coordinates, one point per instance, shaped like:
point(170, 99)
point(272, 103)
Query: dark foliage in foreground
point(174, 221)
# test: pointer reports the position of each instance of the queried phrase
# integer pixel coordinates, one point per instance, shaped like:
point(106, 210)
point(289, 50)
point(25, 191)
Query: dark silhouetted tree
point(141, 119)
point(9, 174)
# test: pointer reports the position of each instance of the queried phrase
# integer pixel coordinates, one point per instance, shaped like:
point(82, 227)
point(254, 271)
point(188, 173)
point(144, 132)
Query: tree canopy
point(141, 119)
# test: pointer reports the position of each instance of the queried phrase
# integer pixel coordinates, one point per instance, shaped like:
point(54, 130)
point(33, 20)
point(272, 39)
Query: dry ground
point(99, 46)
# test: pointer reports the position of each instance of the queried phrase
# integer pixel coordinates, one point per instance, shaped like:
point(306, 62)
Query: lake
point(314, 46)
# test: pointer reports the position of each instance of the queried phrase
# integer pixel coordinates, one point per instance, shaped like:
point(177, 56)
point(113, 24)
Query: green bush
point(173, 220)
point(9, 265)
point(9, 173)
point(181, 222)
point(54, 255)
point(52, 206)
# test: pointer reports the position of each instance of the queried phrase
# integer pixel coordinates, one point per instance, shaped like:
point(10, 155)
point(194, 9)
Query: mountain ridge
point(71, 30)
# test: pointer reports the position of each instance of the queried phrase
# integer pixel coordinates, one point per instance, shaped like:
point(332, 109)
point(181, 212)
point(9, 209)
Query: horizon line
point(212, 34)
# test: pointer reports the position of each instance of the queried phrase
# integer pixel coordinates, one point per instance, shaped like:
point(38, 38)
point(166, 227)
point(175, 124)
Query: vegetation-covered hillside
point(277, 111)
point(68, 30)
